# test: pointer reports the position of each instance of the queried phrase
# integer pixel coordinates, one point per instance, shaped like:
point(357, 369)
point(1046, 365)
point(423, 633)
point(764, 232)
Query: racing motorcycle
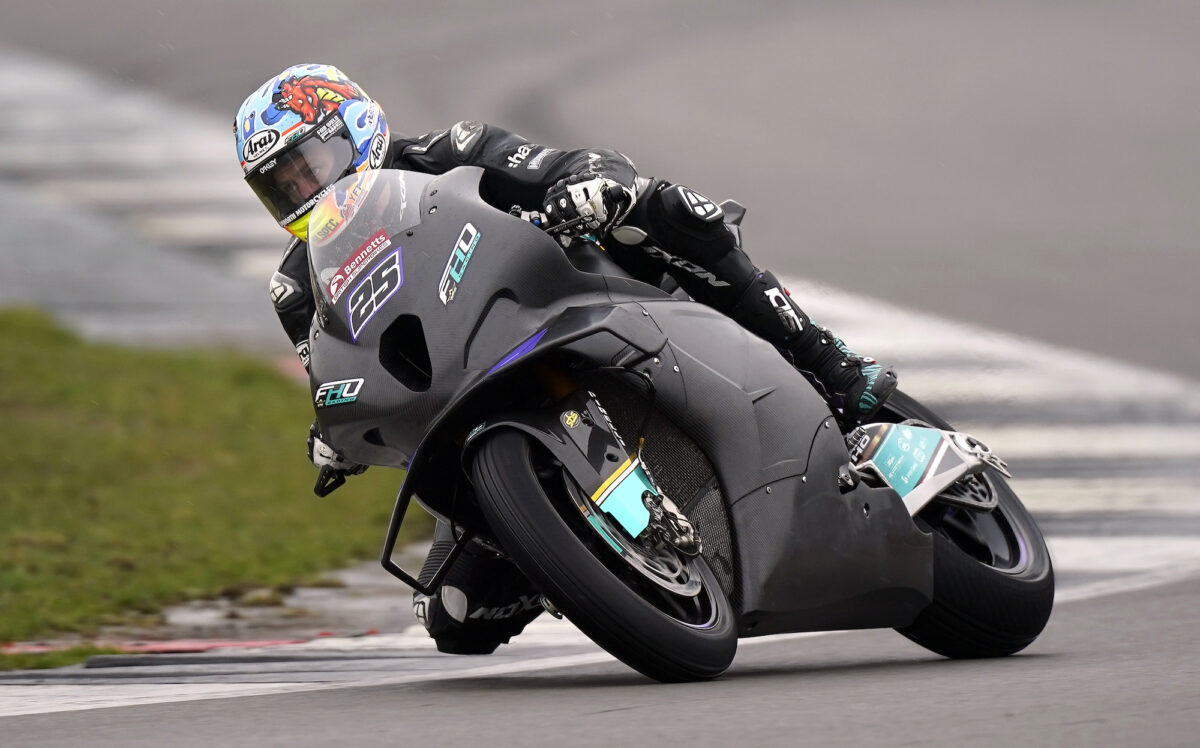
point(665, 478)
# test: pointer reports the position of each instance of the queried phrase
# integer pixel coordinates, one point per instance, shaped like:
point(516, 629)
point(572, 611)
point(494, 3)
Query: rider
point(309, 126)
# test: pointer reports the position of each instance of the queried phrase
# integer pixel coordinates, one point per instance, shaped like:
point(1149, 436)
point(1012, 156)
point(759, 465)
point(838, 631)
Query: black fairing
point(806, 555)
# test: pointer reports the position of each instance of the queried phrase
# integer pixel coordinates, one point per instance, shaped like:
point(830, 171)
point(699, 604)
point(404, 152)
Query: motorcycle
point(665, 478)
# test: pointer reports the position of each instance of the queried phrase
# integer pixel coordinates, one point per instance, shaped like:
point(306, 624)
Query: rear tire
point(568, 564)
point(990, 598)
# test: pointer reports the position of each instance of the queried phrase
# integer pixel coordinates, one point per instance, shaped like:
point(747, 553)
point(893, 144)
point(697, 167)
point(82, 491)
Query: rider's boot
point(483, 602)
point(859, 385)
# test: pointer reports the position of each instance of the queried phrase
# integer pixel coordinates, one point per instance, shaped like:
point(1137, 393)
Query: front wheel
point(663, 635)
point(993, 583)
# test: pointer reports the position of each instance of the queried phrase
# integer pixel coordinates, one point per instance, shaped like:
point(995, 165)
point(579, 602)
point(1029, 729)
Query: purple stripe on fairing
point(517, 352)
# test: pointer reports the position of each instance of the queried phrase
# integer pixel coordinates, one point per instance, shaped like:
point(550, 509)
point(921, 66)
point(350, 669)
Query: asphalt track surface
point(1031, 167)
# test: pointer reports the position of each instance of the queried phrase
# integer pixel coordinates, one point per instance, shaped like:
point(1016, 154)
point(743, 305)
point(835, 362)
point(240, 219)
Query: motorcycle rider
point(309, 126)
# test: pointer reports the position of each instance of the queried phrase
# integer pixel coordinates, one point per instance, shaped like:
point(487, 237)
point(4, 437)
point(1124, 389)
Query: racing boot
point(483, 602)
point(855, 385)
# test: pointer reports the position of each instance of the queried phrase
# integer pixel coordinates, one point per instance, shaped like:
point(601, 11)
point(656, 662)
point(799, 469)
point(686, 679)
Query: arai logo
point(259, 144)
point(378, 148)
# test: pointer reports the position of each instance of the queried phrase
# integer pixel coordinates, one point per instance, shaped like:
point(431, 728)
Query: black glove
point(584, 204)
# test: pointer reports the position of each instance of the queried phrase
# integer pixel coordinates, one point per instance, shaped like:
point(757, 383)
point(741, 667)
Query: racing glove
point(577, 205)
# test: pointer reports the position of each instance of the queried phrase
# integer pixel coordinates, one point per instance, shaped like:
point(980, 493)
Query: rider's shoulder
point(293, 245)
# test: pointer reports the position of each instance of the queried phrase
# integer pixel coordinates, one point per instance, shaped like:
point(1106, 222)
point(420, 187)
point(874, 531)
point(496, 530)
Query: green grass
point(134, 479)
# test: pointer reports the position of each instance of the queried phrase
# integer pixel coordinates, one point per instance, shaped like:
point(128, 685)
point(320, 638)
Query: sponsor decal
point(536, 161)
point(304, 352)
point(259, 144)
point(330, 127)
point(340, 392)
point(612, 429)
point(355, 264)
point(571, 419)
point(294, 137)
point(785, 310)
point(691, 267)
point(371, 118)
point(521, 154)
point(526, 602)
point(267, 166)
point(594, 163)
point(306, 207)
point(857, 441)
point(369, 296)
point(456, 266)
point(378, 150)
point(326, 229)
point(312, 97)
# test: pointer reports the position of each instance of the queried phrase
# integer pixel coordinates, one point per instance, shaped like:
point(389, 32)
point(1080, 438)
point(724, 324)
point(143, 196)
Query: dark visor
point(287, 183)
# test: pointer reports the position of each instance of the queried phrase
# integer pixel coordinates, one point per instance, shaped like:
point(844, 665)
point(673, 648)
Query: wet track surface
point(1027, 167)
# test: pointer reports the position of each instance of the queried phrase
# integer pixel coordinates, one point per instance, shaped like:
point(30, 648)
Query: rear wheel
point(993, 583)
point(662, 614)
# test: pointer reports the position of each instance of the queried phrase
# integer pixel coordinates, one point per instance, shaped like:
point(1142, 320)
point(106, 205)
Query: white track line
point(46, 699)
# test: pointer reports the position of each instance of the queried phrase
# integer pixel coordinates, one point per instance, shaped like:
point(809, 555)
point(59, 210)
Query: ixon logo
point(338, 393)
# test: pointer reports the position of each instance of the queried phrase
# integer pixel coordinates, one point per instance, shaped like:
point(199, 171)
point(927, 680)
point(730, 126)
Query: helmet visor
point(290, 183)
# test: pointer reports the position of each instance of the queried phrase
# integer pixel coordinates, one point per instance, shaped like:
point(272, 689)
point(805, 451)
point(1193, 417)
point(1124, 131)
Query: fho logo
point(338, 393)
point(259, 144)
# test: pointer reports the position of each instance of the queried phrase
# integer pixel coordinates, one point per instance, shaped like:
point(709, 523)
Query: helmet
point(300, 132)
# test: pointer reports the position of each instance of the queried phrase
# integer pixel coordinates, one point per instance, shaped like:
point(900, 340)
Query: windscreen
point(354, 226)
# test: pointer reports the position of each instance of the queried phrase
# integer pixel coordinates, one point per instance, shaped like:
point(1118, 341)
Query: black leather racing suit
point(668, 229)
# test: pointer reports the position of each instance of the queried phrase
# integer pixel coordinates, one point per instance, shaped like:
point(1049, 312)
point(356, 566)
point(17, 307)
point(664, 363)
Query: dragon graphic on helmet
point(302, 131)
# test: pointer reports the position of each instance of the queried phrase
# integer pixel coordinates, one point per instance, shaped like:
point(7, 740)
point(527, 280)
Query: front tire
point(568, 563)
point(993, 583)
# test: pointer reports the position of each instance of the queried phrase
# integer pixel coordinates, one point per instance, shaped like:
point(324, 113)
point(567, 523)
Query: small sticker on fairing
point(456, 266)
point(571, 419)
point(341, 392)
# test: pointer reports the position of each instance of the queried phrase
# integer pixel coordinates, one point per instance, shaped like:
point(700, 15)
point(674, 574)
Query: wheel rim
point(987, 536)
point(697, 610)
